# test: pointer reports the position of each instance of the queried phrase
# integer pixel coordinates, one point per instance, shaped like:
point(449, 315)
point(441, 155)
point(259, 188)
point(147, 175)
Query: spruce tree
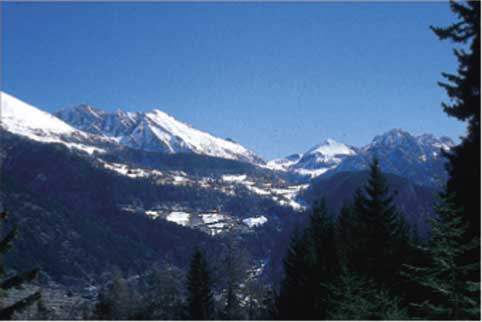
point(297, 297)
point(379, 234)
point(200, 303)
point(411, 290)
point(235, 267)
point(344, 227)
point(311, 262)
point(463, 89)
point(322, 234)
point(16, 281)
point(452, 293)
point(354, 297)
point(347, 227)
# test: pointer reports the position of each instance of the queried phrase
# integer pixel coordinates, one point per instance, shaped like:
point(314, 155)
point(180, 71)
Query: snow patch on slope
point(234, 178)
point(179, 217)
point(23, 119)
point(284, 164)
point(211, 218)
point(255, 221)
point(179, 136)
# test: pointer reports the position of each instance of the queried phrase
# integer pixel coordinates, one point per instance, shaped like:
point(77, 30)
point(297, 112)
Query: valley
point(154, 187)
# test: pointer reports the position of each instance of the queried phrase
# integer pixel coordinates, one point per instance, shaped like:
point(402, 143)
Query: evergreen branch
point(7, 313)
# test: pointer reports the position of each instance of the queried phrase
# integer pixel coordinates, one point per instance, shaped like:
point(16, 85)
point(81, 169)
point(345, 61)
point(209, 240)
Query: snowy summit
point(154, 131)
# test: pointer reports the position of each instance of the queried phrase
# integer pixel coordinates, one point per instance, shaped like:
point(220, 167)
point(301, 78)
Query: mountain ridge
point(154, 131)
point(399, 152)
point(94, 130)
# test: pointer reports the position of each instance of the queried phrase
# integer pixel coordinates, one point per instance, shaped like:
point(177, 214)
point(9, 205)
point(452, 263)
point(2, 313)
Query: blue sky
point(276, 77)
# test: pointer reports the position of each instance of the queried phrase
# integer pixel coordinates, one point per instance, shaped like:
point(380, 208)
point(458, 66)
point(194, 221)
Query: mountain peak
point(401, 138)
point(316, 161)
point(330, 148)
point(391, 137)
point(154, 131)
point(160, 112)
point(157, 110)
point(82, 108)
point(24, 119)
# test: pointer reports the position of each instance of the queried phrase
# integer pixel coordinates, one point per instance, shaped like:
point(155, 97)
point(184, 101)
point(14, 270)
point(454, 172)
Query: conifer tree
point(346, 229)
point(354, 297)
point(310, 264)
point(344, 225)
point(162, 298)
point(297, 297)
point(322, 234)
point(452, 294)
point(7, 312)
point(463, 89)
point(235, 272)
point(379, 234)
point(116, 301)
point(411, 290)
point(200, 303)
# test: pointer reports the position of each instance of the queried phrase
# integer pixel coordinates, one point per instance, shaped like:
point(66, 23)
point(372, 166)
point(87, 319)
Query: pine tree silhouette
point(463, 89)
point(452, 294)
point(200, 303)
point(311, 263)
point(326, 266)
point(377, 232)
point(296, 300)
point(16, 281)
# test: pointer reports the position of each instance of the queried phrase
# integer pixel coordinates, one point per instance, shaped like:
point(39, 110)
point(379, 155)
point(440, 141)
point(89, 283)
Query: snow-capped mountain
point(316, 161)
point(154, 131)
point(92, 130)
point(426, 145)
point(22, 119)
point(284, 164)
point(415, 157)
point(322, 158)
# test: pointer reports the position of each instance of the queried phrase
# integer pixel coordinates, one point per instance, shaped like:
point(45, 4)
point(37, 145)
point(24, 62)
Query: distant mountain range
point(415, 157)
point(154, 186)
point(84, 127)
point(418, 158)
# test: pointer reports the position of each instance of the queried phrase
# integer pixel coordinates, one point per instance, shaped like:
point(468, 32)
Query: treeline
point(229, 288)
point(367, 265)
